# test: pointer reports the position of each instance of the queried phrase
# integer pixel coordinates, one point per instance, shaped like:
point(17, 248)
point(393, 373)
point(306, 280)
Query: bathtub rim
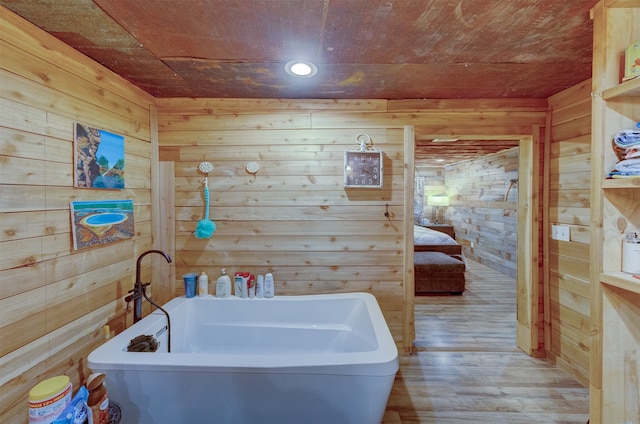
point(382, 361)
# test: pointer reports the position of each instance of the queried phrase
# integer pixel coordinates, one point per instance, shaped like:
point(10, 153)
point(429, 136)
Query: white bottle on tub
point(260, 286)
point(203, 284)
point(223, 284)
point(269, 287)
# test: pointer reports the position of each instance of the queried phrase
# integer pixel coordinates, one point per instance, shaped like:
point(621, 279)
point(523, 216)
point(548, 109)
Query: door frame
point(529, 223)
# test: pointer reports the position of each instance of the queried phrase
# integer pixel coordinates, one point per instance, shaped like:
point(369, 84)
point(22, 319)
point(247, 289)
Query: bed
point(439, 263)
point(428, 240)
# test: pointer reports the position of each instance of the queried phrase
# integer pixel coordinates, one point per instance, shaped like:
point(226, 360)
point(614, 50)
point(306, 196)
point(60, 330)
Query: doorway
point(527, 241)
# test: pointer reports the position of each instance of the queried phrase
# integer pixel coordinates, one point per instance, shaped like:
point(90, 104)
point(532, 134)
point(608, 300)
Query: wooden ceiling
point(446, 151)
point(364, 49)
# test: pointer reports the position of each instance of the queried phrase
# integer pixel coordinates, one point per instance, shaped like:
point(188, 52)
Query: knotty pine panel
point(59, 80)
point(54, 301)
point(189, 106)
point(468, 105)
point(569, 215)
point(571, 181)
point(505, 120)
point(568, 203)
point(320, 139)
point(571, 146)
point(79, 108)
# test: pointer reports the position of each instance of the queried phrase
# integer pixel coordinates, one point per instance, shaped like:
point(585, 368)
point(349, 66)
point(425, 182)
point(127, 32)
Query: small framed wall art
point(99, 222)
point(98, 158)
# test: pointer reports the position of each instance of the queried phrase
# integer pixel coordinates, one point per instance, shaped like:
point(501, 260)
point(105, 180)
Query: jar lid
point(95, 380)
point(49, 388)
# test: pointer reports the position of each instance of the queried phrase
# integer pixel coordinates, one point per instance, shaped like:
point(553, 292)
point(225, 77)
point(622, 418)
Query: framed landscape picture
point(95, 223)
point(98, 158)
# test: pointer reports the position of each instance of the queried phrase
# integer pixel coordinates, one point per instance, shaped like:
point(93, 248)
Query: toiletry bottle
point(252, 286)
point(203, 284)
point(98, 399)
point(269, 287)
point(260, 286)
point(237, 284)
point(223, 285)
point(245, 285)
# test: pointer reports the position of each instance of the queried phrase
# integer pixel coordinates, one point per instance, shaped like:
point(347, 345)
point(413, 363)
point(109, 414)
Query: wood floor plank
point(467, 369)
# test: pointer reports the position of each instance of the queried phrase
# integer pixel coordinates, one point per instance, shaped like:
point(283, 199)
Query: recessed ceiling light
point(301, 68)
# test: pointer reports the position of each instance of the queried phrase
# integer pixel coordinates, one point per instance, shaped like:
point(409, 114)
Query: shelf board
point(621, 280)
point(630, 88)
point(622, 3)
point(621, 183)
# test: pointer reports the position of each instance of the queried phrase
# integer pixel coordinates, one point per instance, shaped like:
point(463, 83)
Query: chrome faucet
point(140, 289)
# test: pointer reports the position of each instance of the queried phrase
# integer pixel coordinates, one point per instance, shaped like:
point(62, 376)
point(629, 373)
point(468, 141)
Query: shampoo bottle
point(203, 284)
point(260, 286)
point(223, 285)
point(252, 286)
point(244, 293)
point(269, 288)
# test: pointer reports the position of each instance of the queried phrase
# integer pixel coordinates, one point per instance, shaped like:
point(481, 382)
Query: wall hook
point(386, 213)
point(252, 168)
point(512, 183)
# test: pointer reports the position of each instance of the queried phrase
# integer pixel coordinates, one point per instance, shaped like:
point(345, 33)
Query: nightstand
point(443, 228)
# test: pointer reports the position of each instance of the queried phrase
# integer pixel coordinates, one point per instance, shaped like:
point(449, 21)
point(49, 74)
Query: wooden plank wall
point(433, 180)
point(294, 218)
point(567, 262)
point(54, 301)
point(485, 223)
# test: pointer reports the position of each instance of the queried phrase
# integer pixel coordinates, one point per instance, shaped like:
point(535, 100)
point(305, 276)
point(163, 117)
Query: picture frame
point(98, 158)
point(100, 222)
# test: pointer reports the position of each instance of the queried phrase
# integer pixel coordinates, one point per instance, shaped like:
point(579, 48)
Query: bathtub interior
point(297, 327)
point(241, 326)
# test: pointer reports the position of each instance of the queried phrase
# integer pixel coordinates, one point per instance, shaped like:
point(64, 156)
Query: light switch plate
point(560, 232)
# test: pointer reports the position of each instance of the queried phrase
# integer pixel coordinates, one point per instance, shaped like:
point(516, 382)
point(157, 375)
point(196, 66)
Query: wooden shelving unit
point(615, 211)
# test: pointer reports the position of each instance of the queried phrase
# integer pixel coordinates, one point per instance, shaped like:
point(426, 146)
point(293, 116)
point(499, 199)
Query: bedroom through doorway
point(490, 211)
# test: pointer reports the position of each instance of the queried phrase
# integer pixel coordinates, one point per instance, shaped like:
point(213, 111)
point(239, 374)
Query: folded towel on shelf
point(632, 152)
point(627, 168)
point(619, 151)
point(627, 138)
point(628, 165)
point(616, 175)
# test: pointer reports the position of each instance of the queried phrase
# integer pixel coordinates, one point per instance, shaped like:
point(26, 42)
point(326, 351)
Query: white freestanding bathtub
point(289, 359)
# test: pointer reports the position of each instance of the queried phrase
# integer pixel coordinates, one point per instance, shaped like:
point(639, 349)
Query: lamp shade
point(438, 200)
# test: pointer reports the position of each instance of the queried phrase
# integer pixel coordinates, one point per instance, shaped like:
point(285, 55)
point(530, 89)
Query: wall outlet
point(560, 232)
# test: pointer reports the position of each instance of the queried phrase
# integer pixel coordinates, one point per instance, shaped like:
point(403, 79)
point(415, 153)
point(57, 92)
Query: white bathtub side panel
point(172, 398)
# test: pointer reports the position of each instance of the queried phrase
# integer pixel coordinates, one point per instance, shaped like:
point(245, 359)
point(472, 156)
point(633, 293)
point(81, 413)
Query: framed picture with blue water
point(100, 222)
point(98, 158)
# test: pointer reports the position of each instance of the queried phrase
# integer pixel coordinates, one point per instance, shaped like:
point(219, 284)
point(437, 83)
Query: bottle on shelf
point(269, 287)
point(203, 284)
point(223, 284)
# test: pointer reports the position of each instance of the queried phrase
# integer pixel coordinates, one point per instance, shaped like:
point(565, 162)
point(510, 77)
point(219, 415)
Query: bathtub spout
point(140, 288)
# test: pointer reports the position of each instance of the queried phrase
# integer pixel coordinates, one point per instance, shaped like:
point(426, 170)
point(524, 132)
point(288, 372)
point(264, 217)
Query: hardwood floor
point(467, 369)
